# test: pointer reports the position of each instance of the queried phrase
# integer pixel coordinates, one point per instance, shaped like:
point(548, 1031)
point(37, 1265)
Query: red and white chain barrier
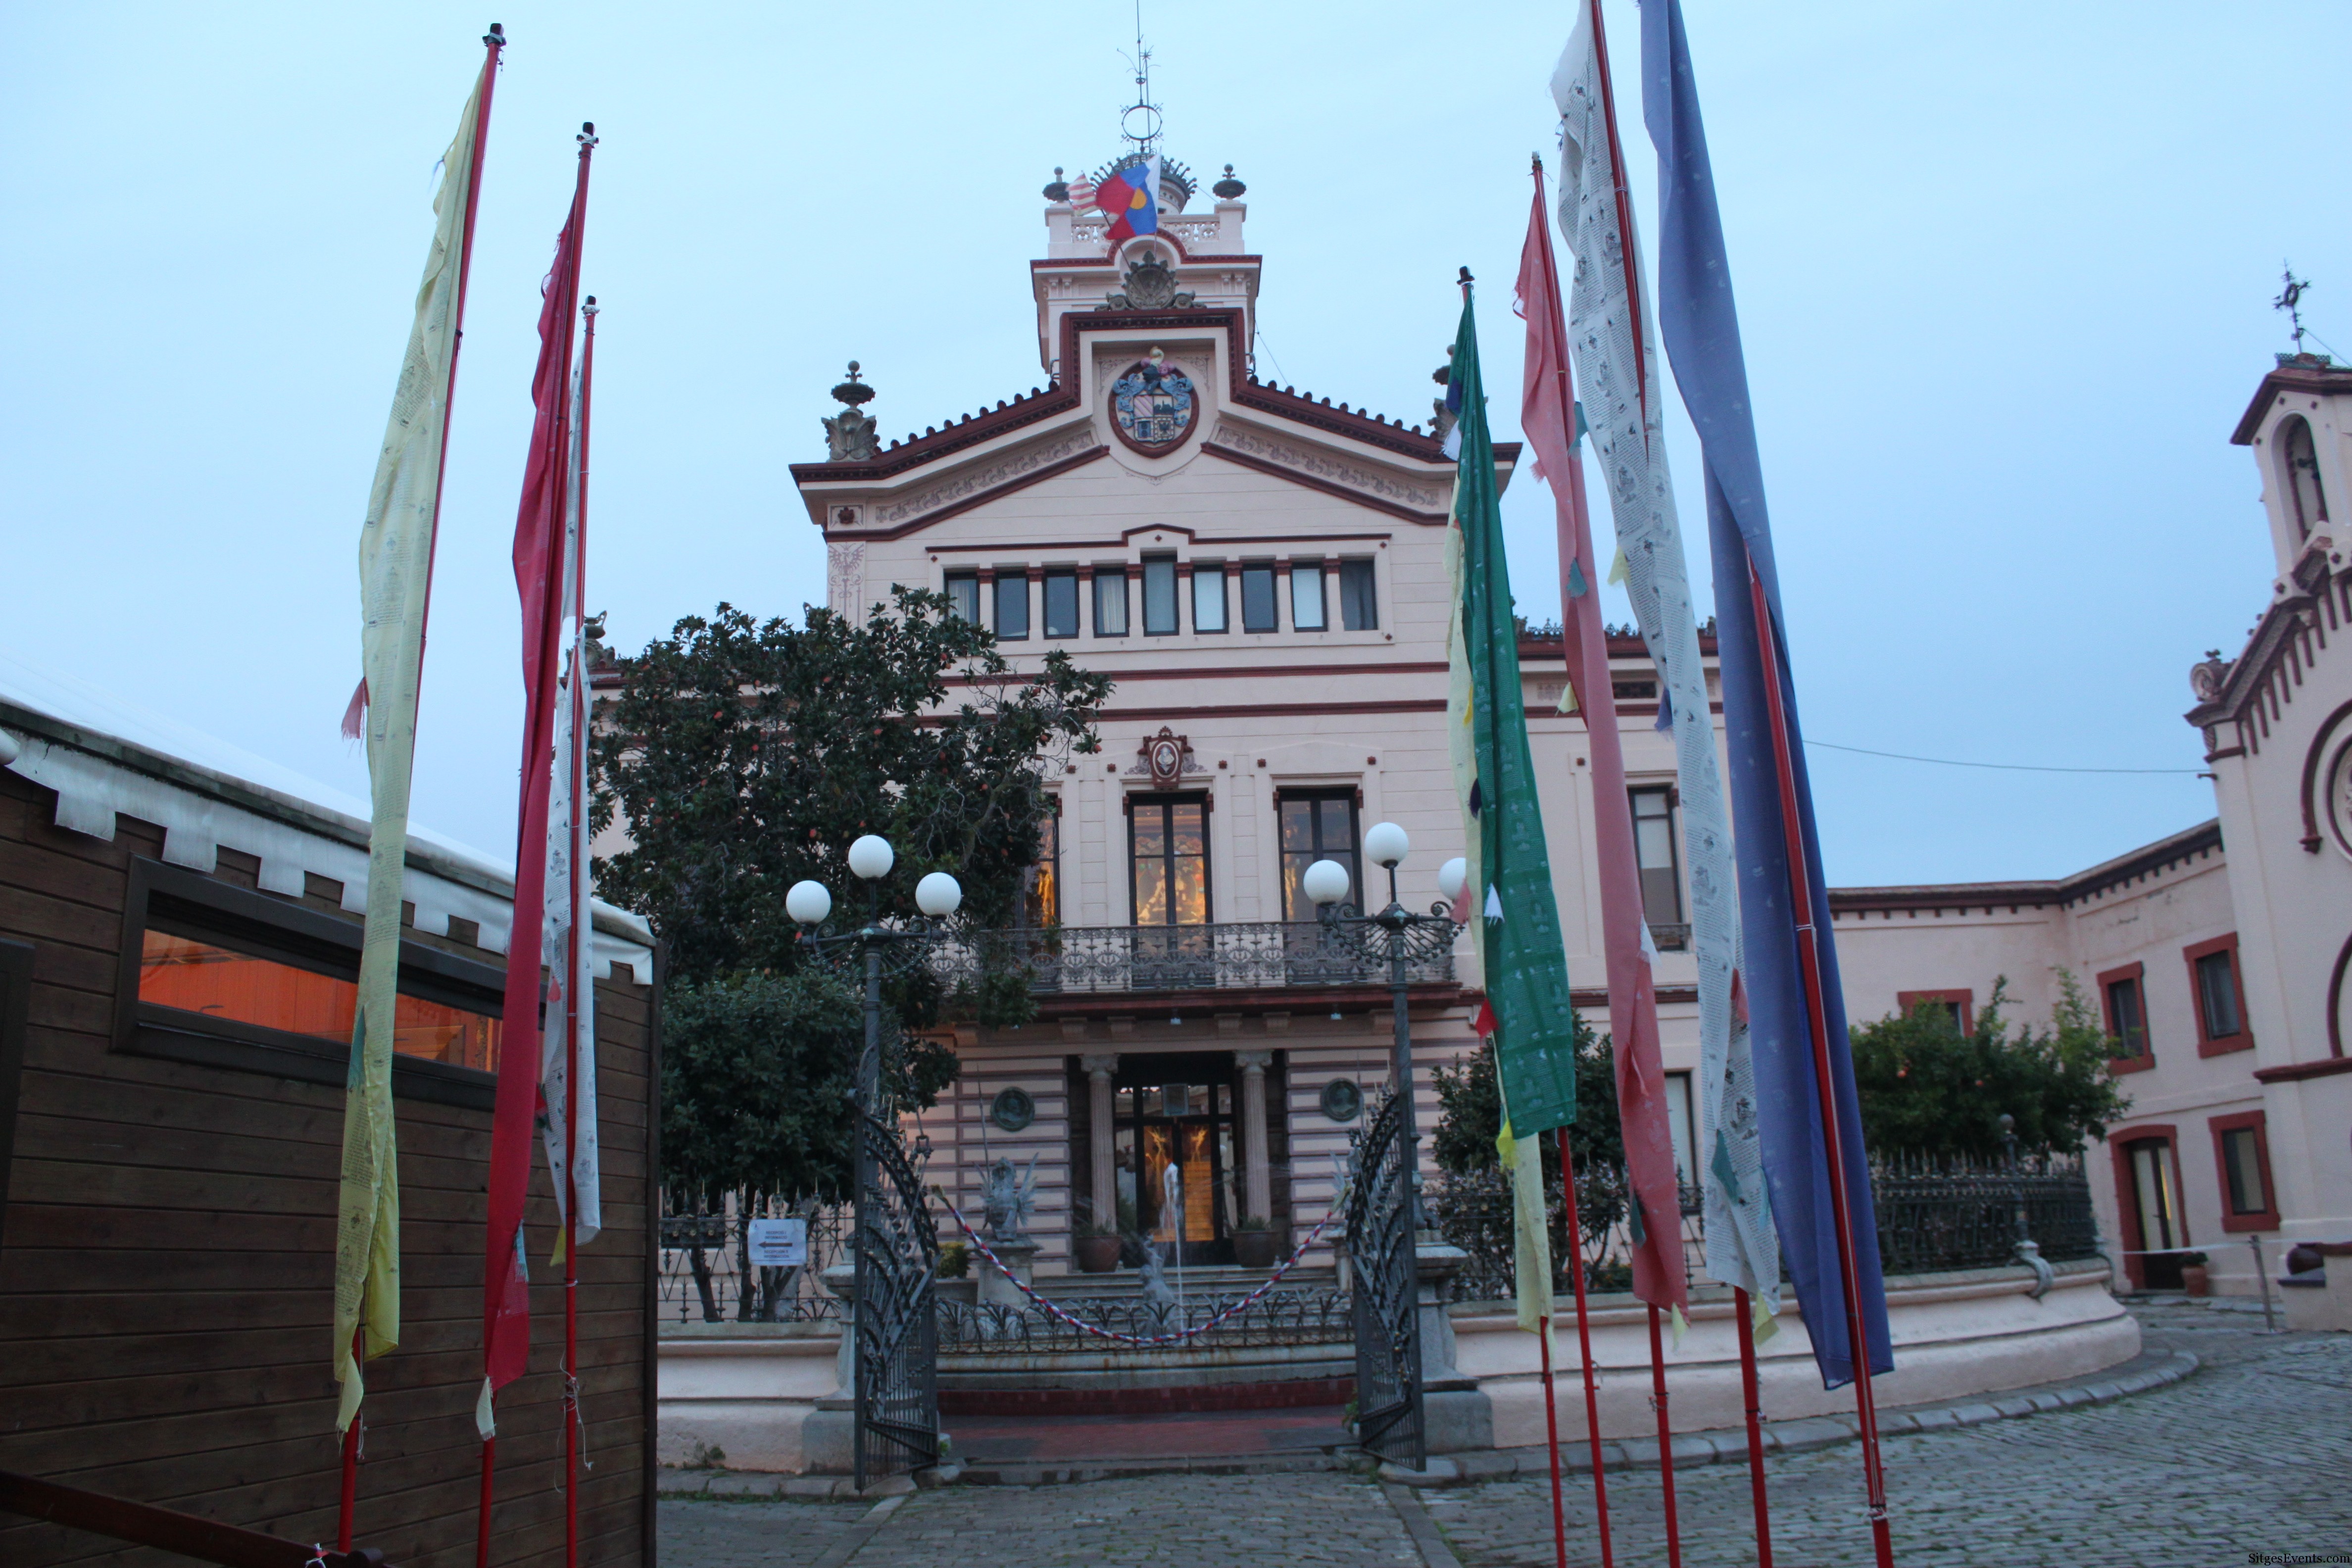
point(1053, 1311)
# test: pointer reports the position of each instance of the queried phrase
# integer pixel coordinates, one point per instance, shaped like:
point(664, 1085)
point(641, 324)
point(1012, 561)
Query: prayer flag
point(540, 580)
point(1547, 414)
point(1521, 963)
point(395, 574)
point(1617, 370)
point(1701, 328)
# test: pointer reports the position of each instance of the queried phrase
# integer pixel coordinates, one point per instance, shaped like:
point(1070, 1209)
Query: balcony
point(1242, 955)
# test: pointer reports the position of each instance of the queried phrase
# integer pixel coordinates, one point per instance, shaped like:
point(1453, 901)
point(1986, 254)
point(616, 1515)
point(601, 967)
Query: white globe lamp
point(1386, 844)
point(1453, 877)
point(871, 857)
point(938, 895)
point(808, 903)
point(1326, 882)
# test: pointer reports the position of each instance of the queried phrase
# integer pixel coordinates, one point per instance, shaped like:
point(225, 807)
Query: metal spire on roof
point(1138, 122)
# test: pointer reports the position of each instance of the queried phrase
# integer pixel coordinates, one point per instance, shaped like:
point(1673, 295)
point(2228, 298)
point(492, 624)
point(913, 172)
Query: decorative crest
point(1167, 757)
point(1151, 285)
point(849, 434)
point(1153, 406)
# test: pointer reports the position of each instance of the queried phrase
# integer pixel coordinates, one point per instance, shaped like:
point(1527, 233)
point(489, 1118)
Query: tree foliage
point(1470, 1110)
point(1927, 1089)
point(745, 757)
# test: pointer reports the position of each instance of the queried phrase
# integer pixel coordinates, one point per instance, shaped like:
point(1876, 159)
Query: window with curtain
point(1111, 602)
point(1061, 603)
point(1160, 595)
point(2242, 1165)
point(2217, 994)
point(1257, 599)
point(1208, 597)
point(1041, 883)
point(2126, 1017)
point(1011, 606)
point(1359, 608)
point(1167, 854)
point(1657, 858)
point(1317, 825)
point(963, 594)
point(1306, 595)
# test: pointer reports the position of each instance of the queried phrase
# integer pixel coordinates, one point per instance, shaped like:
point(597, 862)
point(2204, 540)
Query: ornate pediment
point(1151, 285)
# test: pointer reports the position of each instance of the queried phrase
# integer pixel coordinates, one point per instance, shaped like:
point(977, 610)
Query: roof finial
point(1140, 122)
point(2290, 300)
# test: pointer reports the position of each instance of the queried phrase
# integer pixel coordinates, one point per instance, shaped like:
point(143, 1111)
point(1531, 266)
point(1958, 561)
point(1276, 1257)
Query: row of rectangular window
point(1310, 587)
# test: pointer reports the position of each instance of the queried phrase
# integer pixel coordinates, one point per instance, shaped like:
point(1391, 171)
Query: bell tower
point(2298, 425)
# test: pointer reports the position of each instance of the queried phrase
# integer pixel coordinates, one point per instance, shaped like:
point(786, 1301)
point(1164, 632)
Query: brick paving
point(2250, 1455)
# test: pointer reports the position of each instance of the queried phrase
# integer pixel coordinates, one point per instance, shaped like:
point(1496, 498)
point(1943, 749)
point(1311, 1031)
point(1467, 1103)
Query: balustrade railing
point(1305, 1317)
point(1228, 955)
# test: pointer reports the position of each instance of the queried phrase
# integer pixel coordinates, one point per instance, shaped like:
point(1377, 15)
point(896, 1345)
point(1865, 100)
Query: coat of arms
point(1152, 403)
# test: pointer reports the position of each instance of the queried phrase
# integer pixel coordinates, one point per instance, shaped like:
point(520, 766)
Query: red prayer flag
point(538, 554)
point(1546, 416)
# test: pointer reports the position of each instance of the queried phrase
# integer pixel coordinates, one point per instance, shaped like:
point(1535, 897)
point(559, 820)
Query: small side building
point(179, 943)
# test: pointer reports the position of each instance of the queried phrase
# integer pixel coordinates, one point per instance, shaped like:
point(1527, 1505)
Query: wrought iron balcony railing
point(1231, 955)
point(1669, 938)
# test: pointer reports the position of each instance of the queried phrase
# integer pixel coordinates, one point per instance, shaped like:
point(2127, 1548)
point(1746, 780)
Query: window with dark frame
point(1061, 603)
point(1011, 606)
point(1306, 608)
point(1160, 597)
point(1208, 595)
point(2241, 1167)
point(1658, 858)
point(1360, 608)
point(2126, 1017)
point(1110, 602)
point(1317, 825)
point(963, 594)
point(1258, 612)
point(2218, 1005)
point(1167, 859)
point(227, 977)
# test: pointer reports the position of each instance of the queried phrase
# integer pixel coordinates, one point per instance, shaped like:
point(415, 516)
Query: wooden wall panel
point(167, 1278)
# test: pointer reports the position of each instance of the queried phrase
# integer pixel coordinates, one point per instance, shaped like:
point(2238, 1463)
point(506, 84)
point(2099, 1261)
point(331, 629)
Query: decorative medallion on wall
point(1152, 405)
point(1342, 1101)
point(1167, 757)
point(1013, 1109)
point(1151, 286)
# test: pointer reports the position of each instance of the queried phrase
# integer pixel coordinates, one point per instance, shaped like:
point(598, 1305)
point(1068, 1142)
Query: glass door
point(1180, 1139)
point(2157, 1204)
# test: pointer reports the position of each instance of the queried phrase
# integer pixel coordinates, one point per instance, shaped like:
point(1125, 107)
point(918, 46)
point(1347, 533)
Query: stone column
point(1100, 1143)
point(1258, 1177)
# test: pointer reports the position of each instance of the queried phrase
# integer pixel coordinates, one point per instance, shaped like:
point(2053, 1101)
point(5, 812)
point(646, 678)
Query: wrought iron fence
point(1231, 955)
point(1304, 1317)
point(1933, 1216)
point(707, 1275)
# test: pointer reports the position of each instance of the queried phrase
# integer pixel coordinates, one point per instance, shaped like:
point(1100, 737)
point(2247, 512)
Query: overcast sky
point(2004, 272)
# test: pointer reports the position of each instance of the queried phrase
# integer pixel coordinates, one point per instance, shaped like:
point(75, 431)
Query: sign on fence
point(778, 1243)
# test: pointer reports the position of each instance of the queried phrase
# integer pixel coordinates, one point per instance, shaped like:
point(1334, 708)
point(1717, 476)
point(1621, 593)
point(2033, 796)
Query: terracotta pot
point(1256, 1249)
point(1097, 1254)
point(2195, 1280)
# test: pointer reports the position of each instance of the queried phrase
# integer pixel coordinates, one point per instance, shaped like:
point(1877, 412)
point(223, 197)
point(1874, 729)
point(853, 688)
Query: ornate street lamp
point(894, 1249)
point(1406, 938)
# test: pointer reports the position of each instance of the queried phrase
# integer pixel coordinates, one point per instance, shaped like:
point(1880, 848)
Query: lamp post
point(893, 1260)
point(1405, 938)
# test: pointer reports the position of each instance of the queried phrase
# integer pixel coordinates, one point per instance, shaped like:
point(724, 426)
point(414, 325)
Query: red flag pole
point(506, 1303)
point(492, 42)
point(1665, 1442)
point(1753, 1403)
point(1809, 959)
point(1584, 1343)
point(1551, 1441)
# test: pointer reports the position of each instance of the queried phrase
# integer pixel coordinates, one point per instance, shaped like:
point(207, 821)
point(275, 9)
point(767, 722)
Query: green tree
point(743, 757)
point(1470, 1110)
point(1927, 1089)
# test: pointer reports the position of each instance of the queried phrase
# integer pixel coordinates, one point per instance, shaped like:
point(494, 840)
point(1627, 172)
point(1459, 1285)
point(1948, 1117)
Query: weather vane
point(1138, 122)
point(2290, 300)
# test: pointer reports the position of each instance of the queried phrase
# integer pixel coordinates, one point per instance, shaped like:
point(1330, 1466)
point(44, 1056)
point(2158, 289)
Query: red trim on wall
point(2146, 1058)
point(2266, 1218)
point(2222, 1045)
point(1906, 1000)
point(2295, 1072)
point(2319, 743)
point(2119, 1142)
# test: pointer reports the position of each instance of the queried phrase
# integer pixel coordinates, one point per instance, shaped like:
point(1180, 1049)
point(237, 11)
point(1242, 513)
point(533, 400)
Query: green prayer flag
point(1516, 929)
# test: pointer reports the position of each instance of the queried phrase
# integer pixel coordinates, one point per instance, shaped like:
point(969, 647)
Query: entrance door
point(2156, 1203)
point(1176, 1118)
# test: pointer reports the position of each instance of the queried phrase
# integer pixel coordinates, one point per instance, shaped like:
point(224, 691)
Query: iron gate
point(897, 1343)
point(1386, 1286)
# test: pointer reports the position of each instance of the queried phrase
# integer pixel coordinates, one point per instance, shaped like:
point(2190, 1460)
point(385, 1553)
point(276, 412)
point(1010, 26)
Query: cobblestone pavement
point(2253, 1454)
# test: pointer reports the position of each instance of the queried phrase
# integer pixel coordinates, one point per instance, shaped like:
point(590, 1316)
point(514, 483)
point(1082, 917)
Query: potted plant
point(2193, 1276)
point(1255, 1244)
point(1097, 1247)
